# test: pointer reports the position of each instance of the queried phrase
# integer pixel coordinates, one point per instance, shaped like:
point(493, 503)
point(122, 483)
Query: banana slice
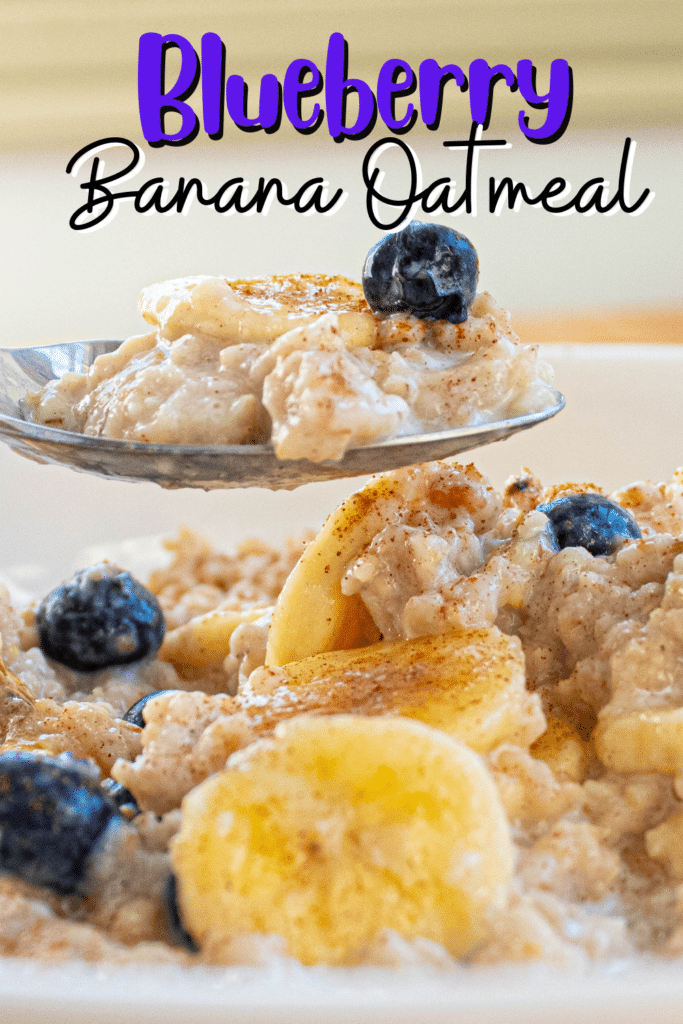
point(11, 686)
point(339, 828)
point(650, 740)
point(257, 310)
point(205, 639)
point(562, 749)
point(312, 615)
point(469, 684)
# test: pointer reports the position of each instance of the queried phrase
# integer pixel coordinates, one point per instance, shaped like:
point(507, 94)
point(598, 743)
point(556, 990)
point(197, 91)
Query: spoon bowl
point(205, 466)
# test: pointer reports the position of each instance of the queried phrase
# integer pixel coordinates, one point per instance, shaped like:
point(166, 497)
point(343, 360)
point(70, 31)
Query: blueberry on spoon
point(428, 270)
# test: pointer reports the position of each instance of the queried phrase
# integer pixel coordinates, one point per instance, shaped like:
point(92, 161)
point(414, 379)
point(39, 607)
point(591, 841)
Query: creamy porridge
point(445, 729)
point(305, 360)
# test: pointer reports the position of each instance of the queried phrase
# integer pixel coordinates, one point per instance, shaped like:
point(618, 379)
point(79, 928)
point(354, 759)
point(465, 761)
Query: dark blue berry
point(122, 797)
point(590, 521)
point(426, 269)
point(179, 935)
point(100, 617)
point(134, 713)
point(52, 814)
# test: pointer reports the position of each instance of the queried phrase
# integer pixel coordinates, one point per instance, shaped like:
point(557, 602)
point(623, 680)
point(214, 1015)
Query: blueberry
point(426, 269)
point(122, 797)
point(134, 713)
point(52, 813)
point(175, 925)
point(100, 617)
point(590, 521)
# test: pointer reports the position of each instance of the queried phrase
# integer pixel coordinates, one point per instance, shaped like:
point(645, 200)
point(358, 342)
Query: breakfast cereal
point(301, 360)
point(468, 750)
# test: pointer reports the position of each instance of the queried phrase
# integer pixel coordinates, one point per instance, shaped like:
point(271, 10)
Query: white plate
point(622, 423)
point(85, 995)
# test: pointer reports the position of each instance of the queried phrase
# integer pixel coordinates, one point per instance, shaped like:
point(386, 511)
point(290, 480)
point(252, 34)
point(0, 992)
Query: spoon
point(205, 466)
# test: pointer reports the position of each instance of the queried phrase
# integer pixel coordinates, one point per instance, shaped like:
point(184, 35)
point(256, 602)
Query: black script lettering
point(153, 196)
point(101, 201)
point(474, 144)
point(435, 196)
point(588, 197)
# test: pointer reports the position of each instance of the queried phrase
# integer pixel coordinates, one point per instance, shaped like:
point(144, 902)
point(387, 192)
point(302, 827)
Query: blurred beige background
point(68, 70)
point(68, 67)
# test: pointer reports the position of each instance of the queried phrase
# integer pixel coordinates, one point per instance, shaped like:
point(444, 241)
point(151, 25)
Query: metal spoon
point(206, 466)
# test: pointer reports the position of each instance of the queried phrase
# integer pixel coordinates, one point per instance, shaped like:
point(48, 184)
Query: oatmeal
point(447, 728)
point(303, 360)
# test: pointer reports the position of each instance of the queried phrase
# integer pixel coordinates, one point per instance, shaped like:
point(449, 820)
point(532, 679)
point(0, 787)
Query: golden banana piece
point(312, 615)
point(337, 829)
point(562, 749)
point(469, 684)
point(205, 639)
point(12, 685)
point(650, 740)
point(259, 309)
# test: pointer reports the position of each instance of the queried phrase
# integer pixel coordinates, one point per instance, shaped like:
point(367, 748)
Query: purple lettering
point(269, 108)
point(154, 102)
point(396, 78)
point(557, 101)
point(482, 80)
point(337, 89)
point(433, 77)
point(303, 79)
point(296, 88)
point(213, 84)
